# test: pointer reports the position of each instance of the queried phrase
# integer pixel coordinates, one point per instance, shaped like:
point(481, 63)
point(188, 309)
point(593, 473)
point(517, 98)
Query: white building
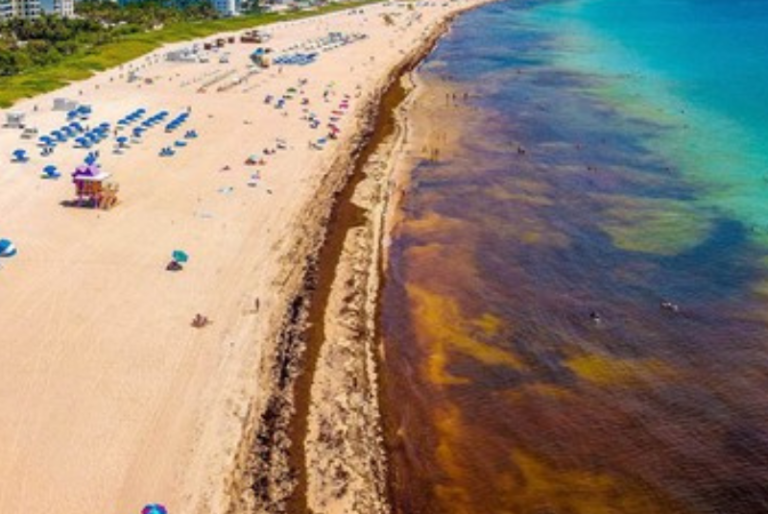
point(63, 8)
point(6, 9)
point(227, 7)
point(19, 9)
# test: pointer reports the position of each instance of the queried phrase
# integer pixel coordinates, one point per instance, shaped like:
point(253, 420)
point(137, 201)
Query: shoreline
point(349, 281)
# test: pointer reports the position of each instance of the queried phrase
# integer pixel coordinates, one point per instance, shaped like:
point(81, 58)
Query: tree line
point(46, 40)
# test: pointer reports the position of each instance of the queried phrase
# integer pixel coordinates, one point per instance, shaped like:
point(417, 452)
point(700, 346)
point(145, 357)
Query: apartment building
point(19, 9)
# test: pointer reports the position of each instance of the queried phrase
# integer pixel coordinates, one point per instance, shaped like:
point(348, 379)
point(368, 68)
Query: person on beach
point(200, 321)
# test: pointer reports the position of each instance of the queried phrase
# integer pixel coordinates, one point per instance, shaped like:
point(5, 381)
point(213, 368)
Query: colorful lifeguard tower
point(93, 189)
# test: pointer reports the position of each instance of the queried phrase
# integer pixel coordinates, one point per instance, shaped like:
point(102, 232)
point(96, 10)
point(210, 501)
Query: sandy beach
point(109, 398)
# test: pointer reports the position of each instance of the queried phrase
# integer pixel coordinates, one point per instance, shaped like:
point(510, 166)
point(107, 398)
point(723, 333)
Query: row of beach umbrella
point(94, 136)
point(132, 117)
point(177, 122)
point(61, 135)
point(82, 112)
point(296, 59)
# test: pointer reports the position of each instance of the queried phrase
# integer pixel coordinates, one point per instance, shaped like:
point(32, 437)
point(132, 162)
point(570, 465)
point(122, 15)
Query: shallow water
point(642, 181)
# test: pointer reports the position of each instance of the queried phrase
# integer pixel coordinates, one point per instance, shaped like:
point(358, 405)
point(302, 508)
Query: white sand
point(109, 399)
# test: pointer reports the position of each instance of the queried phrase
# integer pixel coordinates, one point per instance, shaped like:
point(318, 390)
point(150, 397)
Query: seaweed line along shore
point(318, 445)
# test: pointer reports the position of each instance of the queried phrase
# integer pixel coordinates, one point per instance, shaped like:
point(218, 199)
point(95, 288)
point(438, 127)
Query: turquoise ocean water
point(612, 156)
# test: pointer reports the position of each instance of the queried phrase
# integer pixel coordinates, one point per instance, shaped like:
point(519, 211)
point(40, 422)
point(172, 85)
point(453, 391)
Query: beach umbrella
point(51, 171)
point(7, 248)
point(20, 154)
point(154, 508)
point(180, 256)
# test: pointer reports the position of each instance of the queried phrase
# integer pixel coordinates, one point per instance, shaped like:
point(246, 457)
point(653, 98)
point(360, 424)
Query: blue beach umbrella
point(20, 155)
point(180, 256)
point(51, 171)
point(7, 248)
point(154, 508)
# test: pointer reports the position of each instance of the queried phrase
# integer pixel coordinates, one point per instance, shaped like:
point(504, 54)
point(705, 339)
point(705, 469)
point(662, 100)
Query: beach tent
point(7, 248)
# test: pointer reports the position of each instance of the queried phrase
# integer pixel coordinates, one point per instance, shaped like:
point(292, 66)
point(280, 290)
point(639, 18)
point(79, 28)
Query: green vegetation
point(58, 51)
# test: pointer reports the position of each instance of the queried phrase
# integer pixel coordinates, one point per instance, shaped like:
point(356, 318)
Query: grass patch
point(83, 65)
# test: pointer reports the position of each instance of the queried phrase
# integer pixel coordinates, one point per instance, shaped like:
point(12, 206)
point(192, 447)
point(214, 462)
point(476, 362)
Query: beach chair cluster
point(93, 137)
point(327, 43)
point(170, 151)
point(296, 59)
point(333, 127)
point(138, 131)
